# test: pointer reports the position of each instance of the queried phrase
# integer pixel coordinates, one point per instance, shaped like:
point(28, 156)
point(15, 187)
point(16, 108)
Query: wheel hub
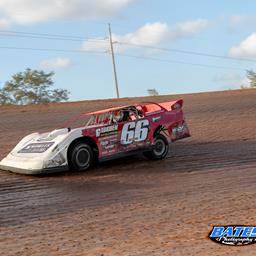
point(82, 157)
point(159, 147)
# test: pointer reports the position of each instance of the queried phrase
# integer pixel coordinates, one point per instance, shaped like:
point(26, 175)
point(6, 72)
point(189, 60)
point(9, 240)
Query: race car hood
point(37, 152)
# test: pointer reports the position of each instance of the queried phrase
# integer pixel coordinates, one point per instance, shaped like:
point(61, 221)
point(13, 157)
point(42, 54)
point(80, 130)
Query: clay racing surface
point(133, 206)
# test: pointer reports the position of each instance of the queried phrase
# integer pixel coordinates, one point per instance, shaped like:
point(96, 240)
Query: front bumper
point(28, 166)
point(34, 171)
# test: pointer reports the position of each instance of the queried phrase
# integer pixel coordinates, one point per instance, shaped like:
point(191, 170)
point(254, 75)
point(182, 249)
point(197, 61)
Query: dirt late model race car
point(101, 135)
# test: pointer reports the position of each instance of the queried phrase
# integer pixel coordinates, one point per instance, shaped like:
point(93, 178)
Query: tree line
point(34, 86)
point(31, 87)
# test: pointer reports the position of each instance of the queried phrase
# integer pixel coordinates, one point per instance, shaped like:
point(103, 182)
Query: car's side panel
point(133, 135)
point(137, 134)
point(173, 121)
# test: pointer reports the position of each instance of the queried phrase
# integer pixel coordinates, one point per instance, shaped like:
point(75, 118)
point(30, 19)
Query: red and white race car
point(103, 135)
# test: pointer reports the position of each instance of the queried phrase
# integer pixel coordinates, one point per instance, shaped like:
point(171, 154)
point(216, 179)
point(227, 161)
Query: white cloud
point(150, 34)
point(246, 49)
point(95, 45)
point(188, 28)
point(32, 11)
point(4, 23)
point(240, 20)
point(57, 63)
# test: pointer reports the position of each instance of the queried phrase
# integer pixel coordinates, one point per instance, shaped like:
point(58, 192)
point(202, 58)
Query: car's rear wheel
point(160, 150)
point(80, 157)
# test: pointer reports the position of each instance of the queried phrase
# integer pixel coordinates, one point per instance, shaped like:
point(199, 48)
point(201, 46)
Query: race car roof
point(146, 106)
point(106, 110)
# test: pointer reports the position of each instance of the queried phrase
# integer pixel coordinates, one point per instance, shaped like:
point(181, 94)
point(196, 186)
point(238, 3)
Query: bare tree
point(153, 92)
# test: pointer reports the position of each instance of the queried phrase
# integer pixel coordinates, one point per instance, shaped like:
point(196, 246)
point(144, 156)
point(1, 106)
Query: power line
point(11, 33)
point(41, 34)
point(51, 50)
point(61, 37)
point(186, 52)
point(178, 62)
point(47, 36)
point(119, 54)
point(54, 38)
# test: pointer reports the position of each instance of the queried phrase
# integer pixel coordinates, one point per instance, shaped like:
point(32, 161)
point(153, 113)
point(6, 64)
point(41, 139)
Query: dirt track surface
point(133, 206)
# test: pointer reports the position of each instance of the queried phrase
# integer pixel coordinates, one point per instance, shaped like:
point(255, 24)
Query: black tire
point(161, 148)
point(80, 157)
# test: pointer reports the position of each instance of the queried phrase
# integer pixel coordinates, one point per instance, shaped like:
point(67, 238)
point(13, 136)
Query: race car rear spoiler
point(167, 106)
point(172, 105)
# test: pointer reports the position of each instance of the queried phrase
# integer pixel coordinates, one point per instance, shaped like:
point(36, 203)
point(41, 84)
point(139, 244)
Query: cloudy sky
point(173, 46)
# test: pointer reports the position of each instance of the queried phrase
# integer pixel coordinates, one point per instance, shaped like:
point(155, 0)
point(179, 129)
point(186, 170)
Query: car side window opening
point(124, 115)
point(117, 116)
point(140, 112)
point(100, 119)
point(92, 121)
point(132, 115)
point(105, 118)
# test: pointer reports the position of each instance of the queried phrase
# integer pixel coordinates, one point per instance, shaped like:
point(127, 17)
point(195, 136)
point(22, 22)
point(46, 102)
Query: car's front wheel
point(80, 157)
point(160, 150)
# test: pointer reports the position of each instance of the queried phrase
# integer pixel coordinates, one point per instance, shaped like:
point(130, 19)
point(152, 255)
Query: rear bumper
point(180, 131)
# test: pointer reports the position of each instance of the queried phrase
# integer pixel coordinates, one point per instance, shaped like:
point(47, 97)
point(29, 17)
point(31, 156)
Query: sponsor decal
point(233, 235)
point(57, 161)
point(180, 131)
point(104, 153)
point(157, 118)
point(106, 130)
point(107, 144)
point(109, 147)
point(104, 143)
point(36, 147)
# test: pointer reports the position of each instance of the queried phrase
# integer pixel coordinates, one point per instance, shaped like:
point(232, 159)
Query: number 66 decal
point(134, 132)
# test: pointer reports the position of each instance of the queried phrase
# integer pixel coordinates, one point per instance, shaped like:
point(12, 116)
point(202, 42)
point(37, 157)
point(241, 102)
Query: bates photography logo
point(233, 235)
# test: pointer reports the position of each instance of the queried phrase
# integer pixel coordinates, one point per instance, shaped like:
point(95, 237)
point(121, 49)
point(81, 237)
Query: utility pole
point(113, 60)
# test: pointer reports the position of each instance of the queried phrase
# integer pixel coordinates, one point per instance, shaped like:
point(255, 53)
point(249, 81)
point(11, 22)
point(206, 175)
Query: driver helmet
point(118, 116)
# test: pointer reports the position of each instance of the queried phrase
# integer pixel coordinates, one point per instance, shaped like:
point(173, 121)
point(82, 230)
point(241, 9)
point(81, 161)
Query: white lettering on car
point(134, 132)
point(104, 130)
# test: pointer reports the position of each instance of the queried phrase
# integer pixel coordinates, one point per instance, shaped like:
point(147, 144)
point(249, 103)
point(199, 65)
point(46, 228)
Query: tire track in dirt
point(132, 206)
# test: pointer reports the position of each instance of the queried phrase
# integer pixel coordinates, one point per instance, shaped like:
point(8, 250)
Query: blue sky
point(225, 28)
